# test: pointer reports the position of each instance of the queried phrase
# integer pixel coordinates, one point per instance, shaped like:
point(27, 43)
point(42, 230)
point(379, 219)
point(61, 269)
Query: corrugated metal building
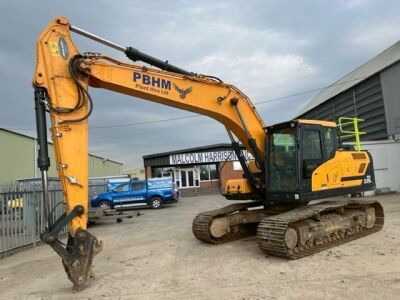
point(18, 153)
point(370, 92)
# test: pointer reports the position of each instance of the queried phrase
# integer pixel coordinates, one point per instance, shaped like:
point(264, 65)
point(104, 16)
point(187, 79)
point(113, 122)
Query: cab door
point(311, 154)
point(320, 169)
point(130, 195)
point(331, 171)
point(121, 195)
point(137, 194)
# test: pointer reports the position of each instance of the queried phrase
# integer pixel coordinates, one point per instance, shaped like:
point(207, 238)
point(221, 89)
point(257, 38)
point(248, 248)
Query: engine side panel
point(345, 169)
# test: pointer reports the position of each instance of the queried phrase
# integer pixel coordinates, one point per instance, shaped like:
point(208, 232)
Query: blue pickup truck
point(138, 193)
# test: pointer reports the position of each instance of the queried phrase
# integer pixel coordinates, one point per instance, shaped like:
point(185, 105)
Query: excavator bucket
point(82, 248)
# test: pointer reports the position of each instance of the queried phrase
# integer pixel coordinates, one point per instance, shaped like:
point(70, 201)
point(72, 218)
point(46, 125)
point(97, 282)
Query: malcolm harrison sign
point(206, 157)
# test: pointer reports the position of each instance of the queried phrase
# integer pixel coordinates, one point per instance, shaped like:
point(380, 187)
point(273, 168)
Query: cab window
point(122, 188)
point(137, 186)
point(282, 160)
point(312, 151)
point(312, 145)
point(330, 142)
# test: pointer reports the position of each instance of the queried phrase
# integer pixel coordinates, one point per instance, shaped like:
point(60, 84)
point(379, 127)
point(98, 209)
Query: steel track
point(272, 229)
point(202, 222)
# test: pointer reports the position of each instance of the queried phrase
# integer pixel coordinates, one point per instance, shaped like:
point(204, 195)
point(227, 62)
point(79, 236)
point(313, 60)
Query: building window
point(213, 172)
point(156, 172)
point(162, 172)
point(177, 177)
point(208, 172)
point(204, 172)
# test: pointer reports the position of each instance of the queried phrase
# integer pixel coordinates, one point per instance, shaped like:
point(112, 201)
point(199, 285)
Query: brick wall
point(209, 183)
point(148, 172)
point(227, 173)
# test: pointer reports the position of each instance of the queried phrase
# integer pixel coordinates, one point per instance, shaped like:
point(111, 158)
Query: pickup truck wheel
point(104, 204)
point(156, 202)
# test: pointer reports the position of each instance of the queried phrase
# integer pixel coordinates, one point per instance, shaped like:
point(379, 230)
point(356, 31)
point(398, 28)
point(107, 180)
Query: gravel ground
point(155, 256)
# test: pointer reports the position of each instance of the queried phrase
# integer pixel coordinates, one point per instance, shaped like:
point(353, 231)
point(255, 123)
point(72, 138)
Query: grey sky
point(268, 49)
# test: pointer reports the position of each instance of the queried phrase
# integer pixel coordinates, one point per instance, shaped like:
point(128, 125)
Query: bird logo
point(182, 92)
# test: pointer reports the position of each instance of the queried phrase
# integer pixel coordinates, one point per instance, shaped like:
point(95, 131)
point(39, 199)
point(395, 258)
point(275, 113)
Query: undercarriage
point(291, 232)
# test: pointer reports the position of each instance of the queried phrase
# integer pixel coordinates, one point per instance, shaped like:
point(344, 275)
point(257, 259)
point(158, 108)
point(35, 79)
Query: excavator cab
point(306, 162)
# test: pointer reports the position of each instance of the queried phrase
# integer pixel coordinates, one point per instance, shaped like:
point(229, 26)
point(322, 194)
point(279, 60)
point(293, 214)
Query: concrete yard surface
point(155, 256)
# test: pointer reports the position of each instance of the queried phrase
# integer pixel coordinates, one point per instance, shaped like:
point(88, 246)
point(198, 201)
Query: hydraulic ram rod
point(97, 38)
point(132, 53)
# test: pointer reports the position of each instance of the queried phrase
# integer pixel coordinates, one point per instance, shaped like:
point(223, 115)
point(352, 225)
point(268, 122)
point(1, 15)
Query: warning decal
point(54, 48)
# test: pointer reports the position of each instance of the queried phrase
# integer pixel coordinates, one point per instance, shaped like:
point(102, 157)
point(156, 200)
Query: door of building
point(187, 177)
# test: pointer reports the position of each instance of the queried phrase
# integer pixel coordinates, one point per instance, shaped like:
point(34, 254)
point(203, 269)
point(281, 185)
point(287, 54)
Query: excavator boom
point(61, 82)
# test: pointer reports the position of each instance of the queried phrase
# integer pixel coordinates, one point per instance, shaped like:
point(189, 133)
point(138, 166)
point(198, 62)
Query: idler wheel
point(371, 217)
point(291, 238)
point(219, 227)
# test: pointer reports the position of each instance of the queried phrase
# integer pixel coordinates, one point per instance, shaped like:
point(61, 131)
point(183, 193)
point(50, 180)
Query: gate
point(22, 216)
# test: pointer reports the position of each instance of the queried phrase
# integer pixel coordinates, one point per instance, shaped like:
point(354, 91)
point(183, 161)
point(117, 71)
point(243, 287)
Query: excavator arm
point(61, 82)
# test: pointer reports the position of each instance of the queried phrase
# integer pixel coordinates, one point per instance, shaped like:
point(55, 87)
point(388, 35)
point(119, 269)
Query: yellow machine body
point(348, 165)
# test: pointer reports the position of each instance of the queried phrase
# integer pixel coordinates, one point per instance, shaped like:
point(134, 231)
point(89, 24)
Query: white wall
point(386, 157)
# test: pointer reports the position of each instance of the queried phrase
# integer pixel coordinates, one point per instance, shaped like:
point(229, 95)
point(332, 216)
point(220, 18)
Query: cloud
point(355, 4)
point(268, 49)
point(376, 37)
point(258, 72)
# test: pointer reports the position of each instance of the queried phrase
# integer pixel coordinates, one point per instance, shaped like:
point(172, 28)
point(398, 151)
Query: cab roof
point(304, 121)
point(317, 122)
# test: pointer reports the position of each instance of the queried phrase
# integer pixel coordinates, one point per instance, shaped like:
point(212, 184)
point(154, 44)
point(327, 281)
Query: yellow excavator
point(294, 162)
